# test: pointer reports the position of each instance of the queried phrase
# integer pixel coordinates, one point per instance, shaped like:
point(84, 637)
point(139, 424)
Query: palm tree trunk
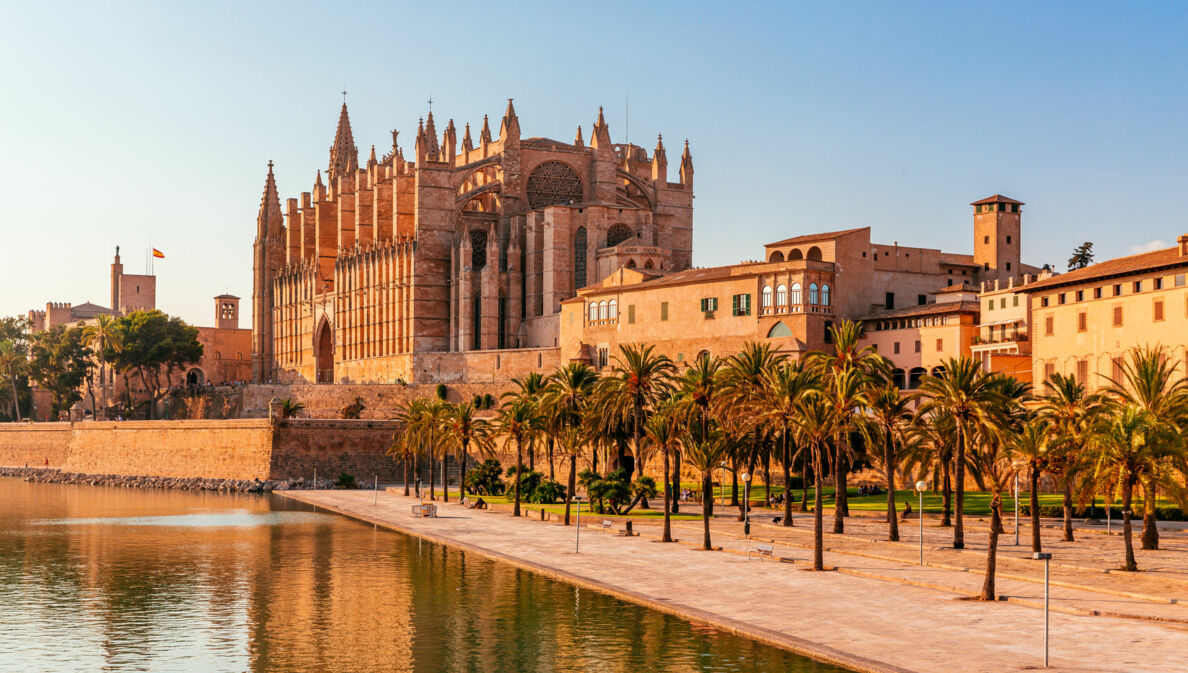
point(786, 461)
point(552, 474)
point(1066, 486)
point(102, 385)
point(405, 461)
point(843, 479)
point(637, 432)
point(804, 480)
point(432, 483)
point(839, 488)
point(959, 527)
point(1127, 492)
point(666, 536)
point(676, 480)
point(1150, 529)
point(992, 547)
point(818, 521)
point(569, 493)
point(519, 476)
point(1033, 505)
point(462, 472)
point(889, 468)
point(445, 477)
point(767, 476)
point(947, 485)
point(16, 401)
point(707, 507)
point(531, 457)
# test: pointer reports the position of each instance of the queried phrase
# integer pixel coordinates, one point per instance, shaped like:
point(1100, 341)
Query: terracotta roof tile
point(997, 198)
point(807, 238)
point(927, 309)
point(1121, 266)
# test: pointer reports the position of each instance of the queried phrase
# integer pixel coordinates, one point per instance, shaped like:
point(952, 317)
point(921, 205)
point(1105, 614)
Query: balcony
point(1000, 339)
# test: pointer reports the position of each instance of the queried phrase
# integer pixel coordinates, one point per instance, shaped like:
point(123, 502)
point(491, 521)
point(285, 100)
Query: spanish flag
point(158, 254)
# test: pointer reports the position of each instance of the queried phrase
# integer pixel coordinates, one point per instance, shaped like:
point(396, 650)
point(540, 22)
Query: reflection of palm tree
point(102, 336)
point(13, 363)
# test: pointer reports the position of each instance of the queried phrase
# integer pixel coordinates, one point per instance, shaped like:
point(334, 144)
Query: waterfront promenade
point(880, 612)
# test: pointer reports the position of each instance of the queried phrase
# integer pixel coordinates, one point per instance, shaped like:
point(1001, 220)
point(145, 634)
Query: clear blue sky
point(122, 121)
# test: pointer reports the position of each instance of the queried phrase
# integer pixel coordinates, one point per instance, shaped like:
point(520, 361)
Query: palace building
point(453, 265)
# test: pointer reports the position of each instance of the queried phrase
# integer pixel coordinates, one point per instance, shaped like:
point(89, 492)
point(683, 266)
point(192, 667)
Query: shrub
point(484, 479)
point(442, 391)
point(346, 481)
point(354, 409)
point(547, 493)
point(477, 402)
point(529, 480)
point(488, 401)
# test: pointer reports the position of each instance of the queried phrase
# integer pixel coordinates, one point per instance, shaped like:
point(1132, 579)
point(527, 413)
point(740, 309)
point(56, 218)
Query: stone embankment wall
point(242, 449)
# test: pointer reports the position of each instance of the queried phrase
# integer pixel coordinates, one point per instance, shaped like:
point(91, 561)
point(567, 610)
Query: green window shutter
point(704, 304)
point(734, 304)
point(631, 314)
point(663, 310)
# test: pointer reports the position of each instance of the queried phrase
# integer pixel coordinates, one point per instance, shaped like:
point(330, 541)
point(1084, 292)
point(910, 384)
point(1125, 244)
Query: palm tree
point(406, 446)
point(845, 370)
point(663, 432)
point(565, 399)
point(1122, 447)
point(1032, 447)
point(103, 335)
point(777, 410)
point(639, 379)
point(963, 391)
point(742, 383)
point(13, 363)
point(699, 387)
point(705, 449)
point(426, 421)
point(890, 413)
point(1069, 412)
point(519, 422)
point(1149, 382)
point(929, 452)
point(464, 428)
point(816, 422)
point(530, 389)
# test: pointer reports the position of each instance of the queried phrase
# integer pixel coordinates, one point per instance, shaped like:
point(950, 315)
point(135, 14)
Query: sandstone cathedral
point(453, 266)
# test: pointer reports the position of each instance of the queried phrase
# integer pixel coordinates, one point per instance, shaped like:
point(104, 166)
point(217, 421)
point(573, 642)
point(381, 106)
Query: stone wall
point(34, 444)
point(213, 449)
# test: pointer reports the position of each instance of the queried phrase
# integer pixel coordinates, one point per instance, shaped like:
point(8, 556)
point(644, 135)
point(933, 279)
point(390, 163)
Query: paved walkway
point(856, 618)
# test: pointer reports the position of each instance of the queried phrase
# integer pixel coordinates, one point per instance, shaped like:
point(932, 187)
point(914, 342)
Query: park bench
point(424, 510)
point(607, 524)
point(762, 550)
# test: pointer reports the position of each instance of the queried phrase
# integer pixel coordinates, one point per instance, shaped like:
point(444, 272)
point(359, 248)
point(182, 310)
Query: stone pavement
point(858, 621)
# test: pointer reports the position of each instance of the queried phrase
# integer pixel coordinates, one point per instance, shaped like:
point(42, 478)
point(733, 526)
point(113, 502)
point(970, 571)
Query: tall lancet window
point(579, 258)
point(478, 249)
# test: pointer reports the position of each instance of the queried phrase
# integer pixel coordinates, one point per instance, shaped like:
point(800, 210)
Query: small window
point(709, 304)
point(1116, 369)
point(1118, 290)
point(1008, 242)
point(1080, 295)
point(917, 345)
point(940, 345)
point(986, 240)
point(921, 299)
point(593, 311)
point(1158, 283)
point(1138, 286)
point(990, 305)
point(1117, 316)
point(1015, 300)
point(824, 295)
point(766, 296)
point(1082, 371)
point(1002, 302)
point(740, 304)
point(1179, 280)
point(895, 348)
point(1063, 298)
point(1082, 321)
point(1159, 310)
point(986, 266)
point(1049, 370)
point(630, 314)
point(1008, 266)
point(1049, 326)
point(602, 310)
point(813, 293)
point(663, 311)
point(1097, 293)
point(614, 309)
point(889, 301)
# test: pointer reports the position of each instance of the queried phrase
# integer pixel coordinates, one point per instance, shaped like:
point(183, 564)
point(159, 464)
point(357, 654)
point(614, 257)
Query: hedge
point(1057, 511)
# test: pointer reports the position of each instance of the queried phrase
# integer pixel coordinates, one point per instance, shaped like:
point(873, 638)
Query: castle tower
point(226, 311)
point(117, 270)
point(996, 236)
point(268, 256)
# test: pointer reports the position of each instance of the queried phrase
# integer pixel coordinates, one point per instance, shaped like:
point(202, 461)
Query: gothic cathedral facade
point(418, 271)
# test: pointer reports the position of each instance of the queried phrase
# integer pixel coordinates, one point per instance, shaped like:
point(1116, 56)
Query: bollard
point(629, 532)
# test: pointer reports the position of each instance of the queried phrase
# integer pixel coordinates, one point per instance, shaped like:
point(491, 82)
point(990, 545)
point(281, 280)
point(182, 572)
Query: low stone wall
point(34, 444)
point(244, 449)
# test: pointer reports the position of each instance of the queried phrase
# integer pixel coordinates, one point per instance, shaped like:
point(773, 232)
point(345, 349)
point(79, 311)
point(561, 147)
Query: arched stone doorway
point(195, 378)
point(324, 353)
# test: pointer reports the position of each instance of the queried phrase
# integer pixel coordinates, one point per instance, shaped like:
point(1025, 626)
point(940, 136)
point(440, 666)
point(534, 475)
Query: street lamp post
point(1016, 508)
point(920, 486)
point(746, 477)
point(1046, 557)
point(577, 543)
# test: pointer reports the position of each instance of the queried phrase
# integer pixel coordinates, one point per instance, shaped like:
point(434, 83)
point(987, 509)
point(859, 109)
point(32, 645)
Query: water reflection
point(95, 578)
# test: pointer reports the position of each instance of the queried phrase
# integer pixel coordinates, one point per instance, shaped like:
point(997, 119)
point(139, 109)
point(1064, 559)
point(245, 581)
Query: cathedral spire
point(270, 220)
point(467, 143)
point(432, 148)
point(510, 126)
point(371, 162)
point(449, 142)
point(344, 156)
point(600, 135)
point(687, 166)
point(578, 140)
point(485, 134)
point(659, 162)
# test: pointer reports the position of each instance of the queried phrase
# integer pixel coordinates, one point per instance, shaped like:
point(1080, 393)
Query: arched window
point(812, 293)
point(602, 310)
point(593, 311)
point(766, 296)
point(814, 254)
point(782, 294)
point(617, 234)
point(898, 377)
point(777, 256)
point(795, 298)
point(648, 264)
point(631, 264)
point(779, 330)
point(825, 295)
point(613, 310)
point(579, 258)
point(478, 249)
point(914, 377)
point(795, 254)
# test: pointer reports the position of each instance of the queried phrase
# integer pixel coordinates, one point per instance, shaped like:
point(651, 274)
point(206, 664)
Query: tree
point(961, 390)
point(529, 390)
point(1032, 447)
point(742, 382)
point(663, 432)
point(59, 364)
point(705, 447)
point(639, 379)
point(1150, 383)
point(101, 337)
point(422, 422)
point(519, 422)
point(889, 413)
point(13, 364)
point(464, 429)
point(930, 453)
point(699, 387)
point(566, 396)
point(816, 422)
point(290, 407)
point(777, 409)
point(1069, 412)
point(1082, 256)
point(154, 345)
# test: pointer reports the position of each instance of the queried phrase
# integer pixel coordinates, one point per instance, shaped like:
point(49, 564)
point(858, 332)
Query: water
point(108, 579)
